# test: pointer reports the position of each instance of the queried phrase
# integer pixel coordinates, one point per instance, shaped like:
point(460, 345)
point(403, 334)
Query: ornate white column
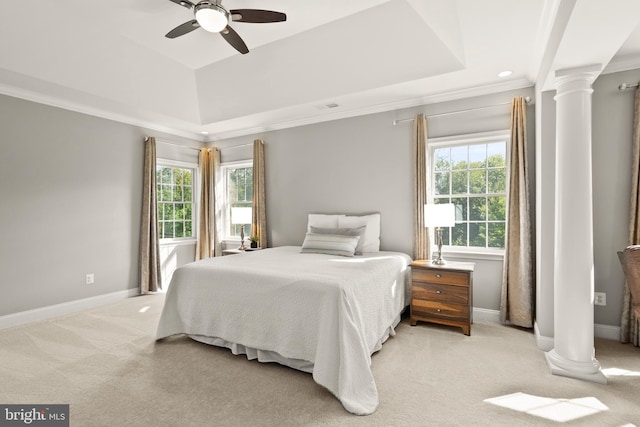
point(573, 352)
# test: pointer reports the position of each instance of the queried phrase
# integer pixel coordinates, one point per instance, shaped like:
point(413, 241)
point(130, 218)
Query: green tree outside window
point(473, 178)
point(175, 202)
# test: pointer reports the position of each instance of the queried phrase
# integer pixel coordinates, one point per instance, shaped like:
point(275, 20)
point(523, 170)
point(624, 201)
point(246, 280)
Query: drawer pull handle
point(438, 275)
point(438, 291)
point(438, 310)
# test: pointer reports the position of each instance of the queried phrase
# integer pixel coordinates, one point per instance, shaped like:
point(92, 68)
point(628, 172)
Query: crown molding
point(65, 104)
point(490, 89)
point(335, 114)
point(624, 63)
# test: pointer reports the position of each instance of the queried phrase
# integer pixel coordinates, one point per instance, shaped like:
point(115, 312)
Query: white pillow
point(372, 233)
point(322, 221)
point(330, 244)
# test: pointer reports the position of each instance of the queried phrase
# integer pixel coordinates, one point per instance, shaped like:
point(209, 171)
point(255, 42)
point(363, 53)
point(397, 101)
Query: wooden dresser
point(442, 293)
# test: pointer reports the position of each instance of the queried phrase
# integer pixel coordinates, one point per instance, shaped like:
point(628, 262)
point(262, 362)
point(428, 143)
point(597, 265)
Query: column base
point(588, 371)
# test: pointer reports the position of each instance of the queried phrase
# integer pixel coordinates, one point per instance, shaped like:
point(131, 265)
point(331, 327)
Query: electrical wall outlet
point(89, 279)
point(600, 298)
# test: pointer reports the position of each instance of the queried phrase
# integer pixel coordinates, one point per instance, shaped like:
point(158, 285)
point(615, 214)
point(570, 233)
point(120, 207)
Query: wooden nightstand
point(442, 293)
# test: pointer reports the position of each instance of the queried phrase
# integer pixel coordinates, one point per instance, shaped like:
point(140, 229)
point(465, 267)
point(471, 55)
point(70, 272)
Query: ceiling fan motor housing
point(211, 16)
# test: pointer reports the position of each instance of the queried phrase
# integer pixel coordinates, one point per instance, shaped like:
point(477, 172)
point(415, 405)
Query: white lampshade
point(441, 215)
point(241, 216)
point(211, 17)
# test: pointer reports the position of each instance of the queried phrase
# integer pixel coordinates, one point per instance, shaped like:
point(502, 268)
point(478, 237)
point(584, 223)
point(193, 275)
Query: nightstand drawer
point(436, 292)
point(439, 310)
point(440, 276)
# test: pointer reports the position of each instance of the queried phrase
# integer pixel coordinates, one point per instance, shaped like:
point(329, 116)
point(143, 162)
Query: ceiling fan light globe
point(211, 17)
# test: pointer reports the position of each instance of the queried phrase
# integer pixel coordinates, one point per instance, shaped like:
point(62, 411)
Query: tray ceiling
point(111, 58)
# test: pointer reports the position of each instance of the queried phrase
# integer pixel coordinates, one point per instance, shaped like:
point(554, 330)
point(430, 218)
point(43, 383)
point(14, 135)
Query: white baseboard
point(479, 314)
point(486, 315)
point(43, 313)
point(544, 343)
point(607, 332)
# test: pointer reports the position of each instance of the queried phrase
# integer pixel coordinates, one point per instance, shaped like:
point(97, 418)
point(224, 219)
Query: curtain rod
point(146, 138)
point(527, 99)
point(624, 86)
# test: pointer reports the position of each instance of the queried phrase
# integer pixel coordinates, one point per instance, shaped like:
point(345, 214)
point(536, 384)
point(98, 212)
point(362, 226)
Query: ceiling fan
point(214, 18)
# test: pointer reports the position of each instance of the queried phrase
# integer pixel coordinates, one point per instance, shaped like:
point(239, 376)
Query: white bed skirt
point(265, 356)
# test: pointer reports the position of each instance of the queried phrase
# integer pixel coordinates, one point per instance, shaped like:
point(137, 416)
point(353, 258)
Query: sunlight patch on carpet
point(561, 410)
point(616, 372)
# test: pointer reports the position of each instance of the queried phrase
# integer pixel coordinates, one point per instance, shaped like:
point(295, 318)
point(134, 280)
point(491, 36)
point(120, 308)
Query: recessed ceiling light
point(505, 73)
point(204, 132)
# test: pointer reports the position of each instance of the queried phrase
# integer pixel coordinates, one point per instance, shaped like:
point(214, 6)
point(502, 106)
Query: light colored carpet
point(106, 364)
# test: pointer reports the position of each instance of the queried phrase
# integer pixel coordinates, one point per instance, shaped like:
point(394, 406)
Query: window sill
point(177, 242)
point(497, 255)
point(233, 240)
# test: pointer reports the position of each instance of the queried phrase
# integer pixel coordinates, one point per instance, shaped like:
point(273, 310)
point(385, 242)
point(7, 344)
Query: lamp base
point(242, 246)
point(439, 260)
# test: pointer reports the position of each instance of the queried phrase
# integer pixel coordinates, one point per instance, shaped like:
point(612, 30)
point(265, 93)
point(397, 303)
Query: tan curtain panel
point(421, 174)
point(629, 330)
point(208, 244)
point(517, 300)
point(259, 211)
point(149, 264)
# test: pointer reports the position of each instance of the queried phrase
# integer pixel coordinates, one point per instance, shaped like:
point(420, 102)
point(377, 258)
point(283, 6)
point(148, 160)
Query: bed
point(317, 312)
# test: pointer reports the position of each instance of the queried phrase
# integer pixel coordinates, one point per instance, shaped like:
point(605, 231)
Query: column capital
point(587, 73)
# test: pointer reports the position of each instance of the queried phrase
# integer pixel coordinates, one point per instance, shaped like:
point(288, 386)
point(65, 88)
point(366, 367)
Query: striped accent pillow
point(359, 231)
point(330, 244)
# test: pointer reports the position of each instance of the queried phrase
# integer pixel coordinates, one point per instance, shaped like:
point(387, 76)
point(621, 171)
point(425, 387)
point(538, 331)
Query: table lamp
point(241, 216)
point(438, 216)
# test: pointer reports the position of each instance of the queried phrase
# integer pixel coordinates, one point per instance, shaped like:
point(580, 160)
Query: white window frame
point(226, 219)
point(469, 139)
point(195, 184)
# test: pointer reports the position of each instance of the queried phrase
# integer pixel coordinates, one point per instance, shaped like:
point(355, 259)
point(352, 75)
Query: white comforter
point(331, 311)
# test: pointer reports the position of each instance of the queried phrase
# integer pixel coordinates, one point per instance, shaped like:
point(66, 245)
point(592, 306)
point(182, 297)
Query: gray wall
point(353, 166)
point(612, 148)
point(364, 164)
point(545, 215)
point(70, 186)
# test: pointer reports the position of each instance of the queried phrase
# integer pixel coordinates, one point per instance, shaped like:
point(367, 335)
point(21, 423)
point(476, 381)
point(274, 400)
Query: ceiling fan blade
point(184, 3)
point(234, 40)
point(257, 16)
point(183, 29)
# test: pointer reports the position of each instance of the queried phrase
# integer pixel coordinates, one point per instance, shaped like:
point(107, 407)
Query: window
point(238, 180)
point(176, 207)
point(471, 173)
